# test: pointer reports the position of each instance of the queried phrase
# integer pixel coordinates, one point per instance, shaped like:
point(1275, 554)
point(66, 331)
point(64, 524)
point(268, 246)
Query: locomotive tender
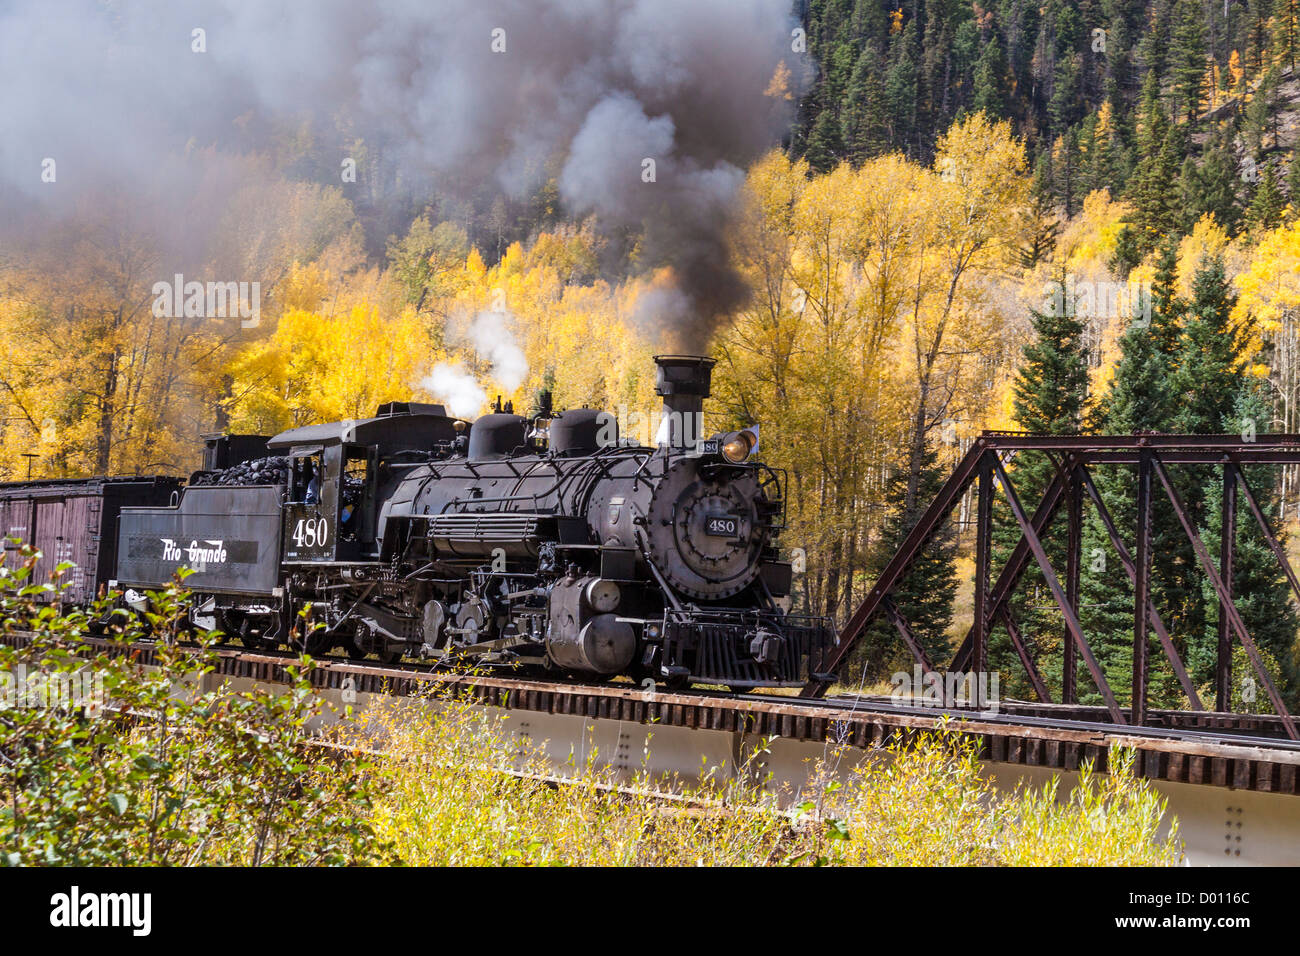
point(546, 543)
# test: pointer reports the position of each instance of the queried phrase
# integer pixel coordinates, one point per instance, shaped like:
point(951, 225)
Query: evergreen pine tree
point(1068, 192)
point(1152, 189)
point(990, 80)
point(1258, 13)
point(1260, 125)
point(925, 594)
point(1049, 398)
point(1166, 310)
point(1187, 57)
point(1093, 172)
point(1153, 48)
point(1286, 19)
point(1039, 223)
point(1268, 203)
point(1210, 375)
point(824, 143)
point(865, 132)
point(1063, 106)
point(1050, 389)
point(1211, 187)
point(901, 89)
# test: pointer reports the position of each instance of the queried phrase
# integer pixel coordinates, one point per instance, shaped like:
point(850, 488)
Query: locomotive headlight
point(737, 446)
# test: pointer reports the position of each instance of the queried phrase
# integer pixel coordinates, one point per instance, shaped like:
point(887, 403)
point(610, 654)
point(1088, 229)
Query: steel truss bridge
point(1075, 459)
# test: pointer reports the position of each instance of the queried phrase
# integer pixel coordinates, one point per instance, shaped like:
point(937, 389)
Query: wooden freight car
point(75, 520)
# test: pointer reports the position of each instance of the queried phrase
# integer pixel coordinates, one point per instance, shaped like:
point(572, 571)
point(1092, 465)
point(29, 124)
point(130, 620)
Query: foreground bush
point(162, 777)
point(174, 776)
point(457, 790)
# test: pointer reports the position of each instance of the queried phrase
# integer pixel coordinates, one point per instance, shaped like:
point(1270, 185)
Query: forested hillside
point(1180, 102)
point(1167, 130)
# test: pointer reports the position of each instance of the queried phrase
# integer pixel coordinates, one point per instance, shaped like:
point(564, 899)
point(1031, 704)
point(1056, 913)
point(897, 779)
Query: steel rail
point(1212, 756)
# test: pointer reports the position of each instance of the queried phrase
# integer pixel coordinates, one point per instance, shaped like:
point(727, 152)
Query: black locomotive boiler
point(547, 543)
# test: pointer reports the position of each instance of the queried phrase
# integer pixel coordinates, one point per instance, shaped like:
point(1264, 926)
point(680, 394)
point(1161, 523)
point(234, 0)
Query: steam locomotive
point(547, 543)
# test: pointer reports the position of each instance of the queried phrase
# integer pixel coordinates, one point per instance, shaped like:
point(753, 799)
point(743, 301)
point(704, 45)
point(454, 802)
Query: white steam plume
point(455, 388)
point(489, 335)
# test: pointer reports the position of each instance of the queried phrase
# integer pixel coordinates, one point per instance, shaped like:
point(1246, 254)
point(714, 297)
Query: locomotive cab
point(336, 471)
point(329, 511)
point(311, 511)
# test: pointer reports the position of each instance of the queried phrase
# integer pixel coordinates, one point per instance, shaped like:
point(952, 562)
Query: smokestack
point(683, 381)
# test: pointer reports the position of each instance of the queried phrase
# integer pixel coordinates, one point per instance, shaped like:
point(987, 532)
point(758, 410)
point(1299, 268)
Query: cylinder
point(605, 645)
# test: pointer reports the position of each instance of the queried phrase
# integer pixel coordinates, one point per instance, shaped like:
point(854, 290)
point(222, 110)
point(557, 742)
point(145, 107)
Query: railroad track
point(1101, 727)
point(1209, 756)
point(848, 704)
point(844, 705)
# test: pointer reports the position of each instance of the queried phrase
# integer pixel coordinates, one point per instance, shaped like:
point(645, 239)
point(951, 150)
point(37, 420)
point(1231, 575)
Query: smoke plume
point(644, 111)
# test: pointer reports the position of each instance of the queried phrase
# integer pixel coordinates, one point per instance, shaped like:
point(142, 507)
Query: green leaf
point(836, 830)
point(117, 802)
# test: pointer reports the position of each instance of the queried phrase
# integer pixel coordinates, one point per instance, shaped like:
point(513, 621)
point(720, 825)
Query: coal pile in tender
point(259, 471)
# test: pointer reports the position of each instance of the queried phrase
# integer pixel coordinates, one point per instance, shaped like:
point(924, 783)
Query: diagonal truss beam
point(909, 637)
point(979, 630)
point(926, 525)
point(1073, 569)
point(1062, 602)
point(1026, 659)
point(1227, 562)
point(1126, 559)
point(1225, 599)
point(1274, 544)
point(1015, 566)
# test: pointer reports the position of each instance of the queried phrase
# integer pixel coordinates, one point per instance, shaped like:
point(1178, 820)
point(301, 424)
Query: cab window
point(356, 477)
point(308, 474)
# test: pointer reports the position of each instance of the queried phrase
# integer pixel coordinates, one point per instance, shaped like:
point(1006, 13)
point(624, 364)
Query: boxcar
point(76, 520)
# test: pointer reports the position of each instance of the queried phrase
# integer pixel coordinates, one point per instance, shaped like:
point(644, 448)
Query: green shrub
point(177, 776)
point(163, 776)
